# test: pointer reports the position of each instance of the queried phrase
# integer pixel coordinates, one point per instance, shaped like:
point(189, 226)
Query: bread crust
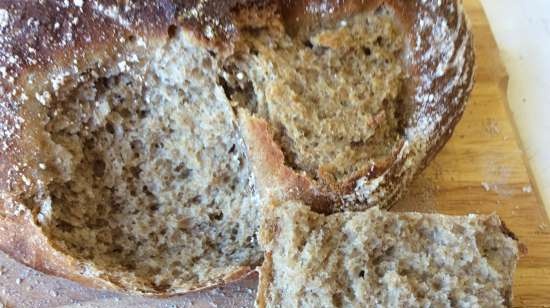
point(440, 63)
point(42, 41)
point(264, 280)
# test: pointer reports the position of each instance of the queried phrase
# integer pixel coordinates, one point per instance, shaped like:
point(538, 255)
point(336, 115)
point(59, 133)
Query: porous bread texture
point(331, 95)
point(150, 180)
point(383, 259)
point(149, 175)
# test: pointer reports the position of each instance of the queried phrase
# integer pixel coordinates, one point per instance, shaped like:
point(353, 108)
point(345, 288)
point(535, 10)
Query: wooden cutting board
point(481, 170)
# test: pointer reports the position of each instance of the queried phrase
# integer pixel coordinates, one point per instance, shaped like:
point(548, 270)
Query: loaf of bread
point(384, 259)
point(140, 139)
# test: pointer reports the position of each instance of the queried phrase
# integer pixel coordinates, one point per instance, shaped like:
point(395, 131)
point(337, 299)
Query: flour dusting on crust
point(441, 51)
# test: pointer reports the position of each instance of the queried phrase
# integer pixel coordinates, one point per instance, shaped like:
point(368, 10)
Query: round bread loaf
point(139, 139)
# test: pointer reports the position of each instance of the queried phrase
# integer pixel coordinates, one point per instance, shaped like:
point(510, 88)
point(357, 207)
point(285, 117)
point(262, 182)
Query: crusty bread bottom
point(382, 259)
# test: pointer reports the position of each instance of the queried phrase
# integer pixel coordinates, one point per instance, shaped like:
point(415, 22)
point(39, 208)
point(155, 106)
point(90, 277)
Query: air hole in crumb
point(308, 44)
point(379, 41)
point(110, 128)
point(307, 132)
point(172, 31)
point(362, 274)
point(167, 129)
point(115, 206)
point(154, 207)
point(216, 216)
point(176, 273)
point(196, 199)
point(65, 226)
point(102, 84)
point(100, 222)
point(146, 190)
point(143, 113)
point(117, 249)
point(367, 51)
point(135, 170)
point(163, 286)
point(98, 167)
point(234, 233)
point(125, 113)
point(89, 144)
point(227, 89)
point(232, 149)
point(179, 167)
point(119, 99)
point(137, 146)
point(132, 38)
point(183, 172)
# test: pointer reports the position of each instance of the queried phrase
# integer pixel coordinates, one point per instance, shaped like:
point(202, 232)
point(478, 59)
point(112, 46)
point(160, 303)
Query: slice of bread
point(140, 139)
point(384, 259)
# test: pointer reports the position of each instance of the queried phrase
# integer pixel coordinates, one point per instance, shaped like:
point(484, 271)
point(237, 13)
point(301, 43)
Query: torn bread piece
point(383, 259)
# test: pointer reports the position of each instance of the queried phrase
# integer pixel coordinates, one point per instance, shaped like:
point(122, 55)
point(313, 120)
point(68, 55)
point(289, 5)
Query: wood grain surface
point(481, 170)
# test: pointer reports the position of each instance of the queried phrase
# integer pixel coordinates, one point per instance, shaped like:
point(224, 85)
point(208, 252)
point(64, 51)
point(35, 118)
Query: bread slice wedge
point(383, 259)
point(139, 140)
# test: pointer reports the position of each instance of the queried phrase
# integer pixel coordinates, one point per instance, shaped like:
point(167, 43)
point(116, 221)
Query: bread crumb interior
point(333, 95)
point(150, 182)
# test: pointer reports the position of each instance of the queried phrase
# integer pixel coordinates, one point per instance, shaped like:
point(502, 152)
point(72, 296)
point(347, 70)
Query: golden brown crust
point(21, 239)
point(282, 183)
point(264, 281)
point(269, 161)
